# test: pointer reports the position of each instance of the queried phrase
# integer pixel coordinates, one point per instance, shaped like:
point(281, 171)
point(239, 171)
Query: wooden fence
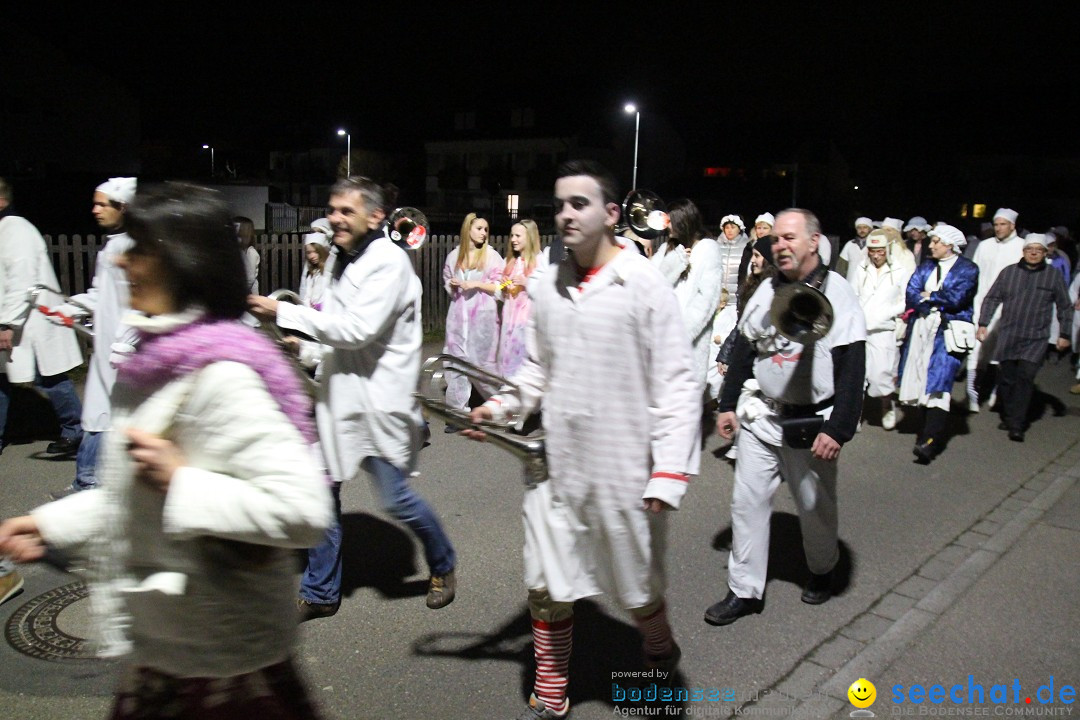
point(281, 262)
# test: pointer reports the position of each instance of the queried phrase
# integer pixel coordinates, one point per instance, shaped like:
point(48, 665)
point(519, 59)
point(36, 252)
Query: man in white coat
point(880, 287)
point(992, 256)
point(610, 364)
point(366, 413)
point(107, 301)
point(32, 350)
point(854, 251)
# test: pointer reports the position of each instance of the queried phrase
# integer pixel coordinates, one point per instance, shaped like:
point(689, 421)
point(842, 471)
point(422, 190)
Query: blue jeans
point(322, 578)
point(61, 393)
point(86, 461)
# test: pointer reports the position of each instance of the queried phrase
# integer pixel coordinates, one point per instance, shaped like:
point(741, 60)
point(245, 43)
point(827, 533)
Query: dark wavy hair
point(190, 229)
point(687, 224)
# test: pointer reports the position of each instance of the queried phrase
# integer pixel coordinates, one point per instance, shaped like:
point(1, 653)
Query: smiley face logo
point(862, 693)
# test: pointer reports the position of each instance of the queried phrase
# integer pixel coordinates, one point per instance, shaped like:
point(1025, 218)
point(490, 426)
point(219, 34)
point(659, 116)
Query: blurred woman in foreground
point(207, 485)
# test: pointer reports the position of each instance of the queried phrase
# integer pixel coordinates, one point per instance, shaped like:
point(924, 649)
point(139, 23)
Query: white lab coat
point(108, 299)
point(38, 345)
point(698, 292)
point(371, 323)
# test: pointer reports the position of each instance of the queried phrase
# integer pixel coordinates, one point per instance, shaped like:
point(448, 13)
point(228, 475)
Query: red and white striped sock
point(551, 646)
point(656, 633)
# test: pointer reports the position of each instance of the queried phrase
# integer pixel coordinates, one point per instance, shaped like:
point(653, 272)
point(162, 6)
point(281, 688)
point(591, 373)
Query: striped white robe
point(610, 365)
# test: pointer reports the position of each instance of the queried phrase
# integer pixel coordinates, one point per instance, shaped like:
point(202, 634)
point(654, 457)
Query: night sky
point(924, 74)
point(743, 82)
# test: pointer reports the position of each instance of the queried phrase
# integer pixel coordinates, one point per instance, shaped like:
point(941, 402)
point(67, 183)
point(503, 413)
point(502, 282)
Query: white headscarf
point(765, 218)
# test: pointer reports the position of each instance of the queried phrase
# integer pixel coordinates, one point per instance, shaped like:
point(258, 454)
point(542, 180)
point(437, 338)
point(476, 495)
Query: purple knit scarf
point(162, 358)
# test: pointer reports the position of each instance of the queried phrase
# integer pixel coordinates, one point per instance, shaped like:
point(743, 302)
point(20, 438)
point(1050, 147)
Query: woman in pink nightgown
point(471, 276)
point(522, 258)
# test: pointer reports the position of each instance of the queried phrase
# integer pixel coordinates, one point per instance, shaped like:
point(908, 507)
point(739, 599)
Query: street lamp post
point(211, 149)
point(631, 108)
point(348, 151)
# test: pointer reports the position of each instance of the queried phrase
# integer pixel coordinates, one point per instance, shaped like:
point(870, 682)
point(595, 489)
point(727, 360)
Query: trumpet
point(82, 324)
point(408, 225)
point(801, 312)
point(646, 214)
point(275, 333)
point(527, 448)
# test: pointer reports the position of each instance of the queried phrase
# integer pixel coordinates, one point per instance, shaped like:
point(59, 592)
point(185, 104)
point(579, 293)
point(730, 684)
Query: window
point(512, 206)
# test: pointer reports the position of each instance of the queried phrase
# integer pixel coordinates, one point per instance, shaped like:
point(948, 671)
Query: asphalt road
point(909, 534)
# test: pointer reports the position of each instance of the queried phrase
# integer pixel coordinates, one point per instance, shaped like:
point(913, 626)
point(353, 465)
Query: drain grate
point(33, 629)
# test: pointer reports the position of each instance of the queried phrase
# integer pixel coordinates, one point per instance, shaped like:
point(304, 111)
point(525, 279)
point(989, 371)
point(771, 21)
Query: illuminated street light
point(348, 151)
point(631, 108)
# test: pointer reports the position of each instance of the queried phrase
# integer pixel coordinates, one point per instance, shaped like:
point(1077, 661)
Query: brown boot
point(441, 590)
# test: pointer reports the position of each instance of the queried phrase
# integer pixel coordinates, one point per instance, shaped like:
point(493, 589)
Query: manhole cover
point(49, 626)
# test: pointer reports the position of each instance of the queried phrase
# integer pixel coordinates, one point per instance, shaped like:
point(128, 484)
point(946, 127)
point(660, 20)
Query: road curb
point(874, 639)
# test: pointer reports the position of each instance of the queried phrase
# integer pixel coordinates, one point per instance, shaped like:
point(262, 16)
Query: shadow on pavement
point(787, 561)
point(605, 651)
point(384, 569)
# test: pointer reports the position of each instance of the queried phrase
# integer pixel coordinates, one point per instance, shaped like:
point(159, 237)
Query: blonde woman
point(523, 257)
point(471, 276)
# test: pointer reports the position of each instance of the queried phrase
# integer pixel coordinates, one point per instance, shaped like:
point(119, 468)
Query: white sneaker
point(889, 420)
point(858, 428)
point(973, 405)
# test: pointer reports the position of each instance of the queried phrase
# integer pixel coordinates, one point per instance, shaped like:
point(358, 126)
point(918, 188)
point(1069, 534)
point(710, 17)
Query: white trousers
point(758, 473)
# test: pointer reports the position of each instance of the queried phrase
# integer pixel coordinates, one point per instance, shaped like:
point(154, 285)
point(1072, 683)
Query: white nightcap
point(733, 219)
point(119, 189)
point(917, 223)
point(1007, 213)
point(949, 235)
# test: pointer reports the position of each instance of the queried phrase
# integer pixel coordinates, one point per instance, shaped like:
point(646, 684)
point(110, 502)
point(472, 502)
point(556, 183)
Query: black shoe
point(313, 611)
point(1016, 435)
point(925, 452)
point(64, 446)
point(731, 609)
point(819, 589)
